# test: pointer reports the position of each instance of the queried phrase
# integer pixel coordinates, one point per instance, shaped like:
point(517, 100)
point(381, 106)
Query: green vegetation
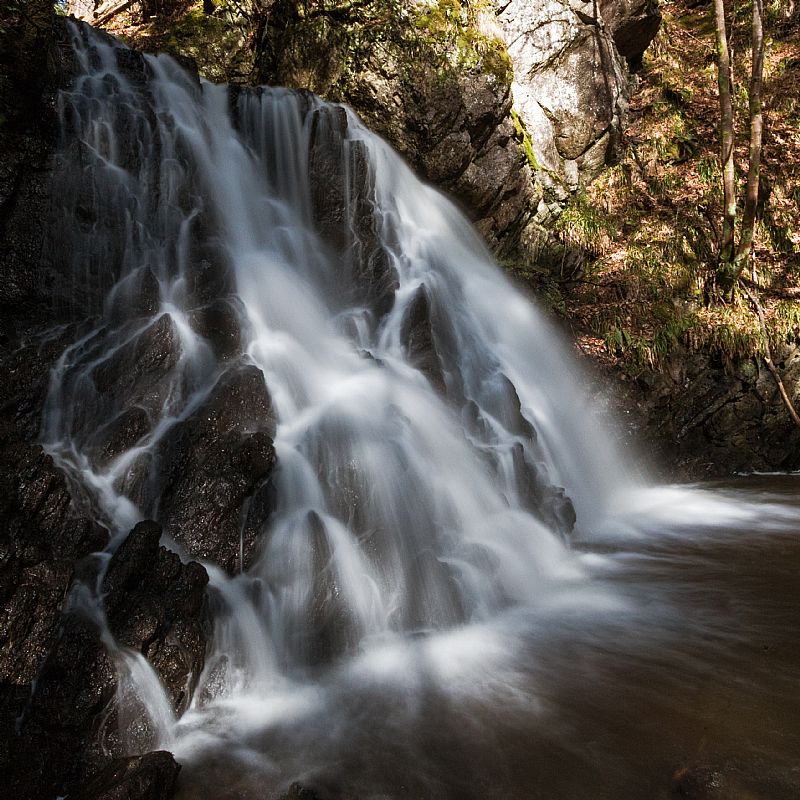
point(524, 138)
point(455, 30)
point(649, 228)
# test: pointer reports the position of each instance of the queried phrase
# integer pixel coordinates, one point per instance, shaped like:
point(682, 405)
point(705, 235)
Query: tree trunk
point(726, 134)
point(756, 134)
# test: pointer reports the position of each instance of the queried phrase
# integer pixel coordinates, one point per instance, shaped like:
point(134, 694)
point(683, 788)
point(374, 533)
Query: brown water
point(672, 670)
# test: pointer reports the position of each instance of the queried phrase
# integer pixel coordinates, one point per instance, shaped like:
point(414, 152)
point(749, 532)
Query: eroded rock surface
point(707, 416)
point(155, 606)
point(570, 85)
point(633, 24)
point(211, 463)
point(149, 777)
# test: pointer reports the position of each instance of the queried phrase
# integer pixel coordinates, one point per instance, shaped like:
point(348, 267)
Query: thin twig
point(788, 293)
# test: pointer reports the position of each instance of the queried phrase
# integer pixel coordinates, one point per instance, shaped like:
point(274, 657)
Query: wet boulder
point(331, 630)
point(218, 323)
point(45, 541)
point(155, 604)
point(138, 295)
point(544, 500)
point(74, 693)
point(328, 188)
point(211, 277)
point(297, 791)
point(137, 371)
point(210, 466)
point(374, 277)
point(152, 776)
point(416, 334)
point(43, 538)
point(119, 435)
point(342, 205)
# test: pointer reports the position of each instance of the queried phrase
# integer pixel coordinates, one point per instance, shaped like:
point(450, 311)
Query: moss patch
point(524, 138)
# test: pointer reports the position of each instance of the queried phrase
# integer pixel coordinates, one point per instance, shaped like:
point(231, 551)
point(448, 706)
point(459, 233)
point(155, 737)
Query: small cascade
point(305, 366)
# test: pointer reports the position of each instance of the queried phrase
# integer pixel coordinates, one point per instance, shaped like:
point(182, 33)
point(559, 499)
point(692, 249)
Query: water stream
point(514, 615)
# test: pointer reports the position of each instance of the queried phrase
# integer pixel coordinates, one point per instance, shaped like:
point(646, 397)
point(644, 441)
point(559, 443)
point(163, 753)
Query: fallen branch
point(105, 16)
point(768, 354)
point(789, 293)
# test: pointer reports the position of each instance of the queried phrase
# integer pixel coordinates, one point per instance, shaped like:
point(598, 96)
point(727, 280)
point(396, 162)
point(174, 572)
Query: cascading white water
point(418, 481)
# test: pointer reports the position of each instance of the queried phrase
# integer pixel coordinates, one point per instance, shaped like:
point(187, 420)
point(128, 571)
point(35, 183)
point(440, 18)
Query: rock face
point(434, 81)
point(706, 416)
point(45, 540)
point(155, 606)
point(211, 463)
point(149, 777)
point(58, 681)
point(633, 24)
point(509, 107)
point(570, 85)
point(342, 202)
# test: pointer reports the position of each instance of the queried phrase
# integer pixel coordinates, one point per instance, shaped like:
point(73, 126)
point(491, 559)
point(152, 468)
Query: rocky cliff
point(507, 106)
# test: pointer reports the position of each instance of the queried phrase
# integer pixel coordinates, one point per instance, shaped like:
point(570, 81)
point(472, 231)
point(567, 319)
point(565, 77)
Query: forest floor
point(648, 227)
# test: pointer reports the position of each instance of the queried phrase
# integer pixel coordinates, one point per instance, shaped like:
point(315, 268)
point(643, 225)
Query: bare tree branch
point(753, 298)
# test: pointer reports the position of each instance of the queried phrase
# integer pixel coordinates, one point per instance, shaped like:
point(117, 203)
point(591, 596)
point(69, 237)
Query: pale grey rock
point(571, 86)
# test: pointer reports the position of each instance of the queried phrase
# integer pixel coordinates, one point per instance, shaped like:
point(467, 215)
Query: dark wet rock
point(133, 66)
point(73, 692)
point(149, 777)
point(328, 189)
point(374, 277)
point(708, 416)
point(298, 791)
point(455, 130)
point(218, 323)
point(503, 403)
point(211, 464)
point(137, 296)
point(31, 65)
point(43, 538)
point(442, 117)
point(156, 605)
point(342, 202)
point(698, 783)
point(121, 434)
point(549, 503)
point(210, 278)
point(416, 333)
point(134, 370)
point(330, 632)
point(131, 384)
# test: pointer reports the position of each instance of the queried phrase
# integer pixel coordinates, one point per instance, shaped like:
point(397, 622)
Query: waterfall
point(257, 261)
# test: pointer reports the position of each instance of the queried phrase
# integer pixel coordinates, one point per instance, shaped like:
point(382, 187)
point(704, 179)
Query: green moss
point(496, 61)
point(524, 138)
point(450, 30)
